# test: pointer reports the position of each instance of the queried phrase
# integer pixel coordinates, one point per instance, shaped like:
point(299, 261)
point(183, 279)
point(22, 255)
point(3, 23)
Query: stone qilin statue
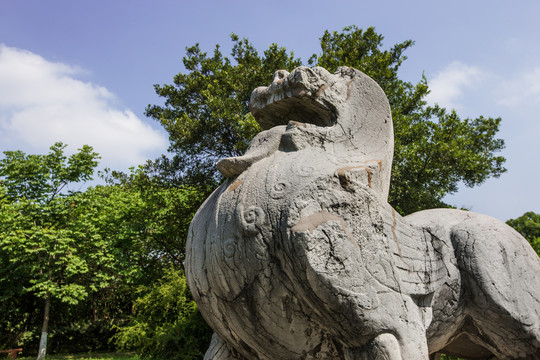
point(298, 255)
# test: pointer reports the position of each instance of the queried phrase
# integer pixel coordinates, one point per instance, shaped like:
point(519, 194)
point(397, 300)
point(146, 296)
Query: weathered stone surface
point(299, 256)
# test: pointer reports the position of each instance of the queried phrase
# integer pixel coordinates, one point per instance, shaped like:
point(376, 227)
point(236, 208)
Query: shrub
point(166, 323)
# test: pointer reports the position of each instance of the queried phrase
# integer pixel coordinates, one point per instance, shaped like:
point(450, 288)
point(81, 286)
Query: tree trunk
point(43, 343)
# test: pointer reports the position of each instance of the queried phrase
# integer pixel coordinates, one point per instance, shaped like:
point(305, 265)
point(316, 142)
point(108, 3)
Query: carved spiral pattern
point(253, 215)
point(251, 218)
point(229, 248)
point(278, 190)
point(304, 170)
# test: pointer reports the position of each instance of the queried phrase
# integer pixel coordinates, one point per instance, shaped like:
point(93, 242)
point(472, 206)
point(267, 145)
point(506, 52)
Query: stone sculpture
point(299, 256)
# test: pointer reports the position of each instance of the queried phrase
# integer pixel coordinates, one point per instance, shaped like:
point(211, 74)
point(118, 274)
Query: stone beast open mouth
point(311, 108)
point(305, 96)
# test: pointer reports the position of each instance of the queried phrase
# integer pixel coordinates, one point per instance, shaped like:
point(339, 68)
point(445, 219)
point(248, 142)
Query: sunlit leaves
point(41, 177)
point(38, 231)
point(166, 323)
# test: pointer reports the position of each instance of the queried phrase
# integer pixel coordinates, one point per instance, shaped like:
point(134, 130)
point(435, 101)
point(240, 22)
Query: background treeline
point(103, 265)
point(102, 268)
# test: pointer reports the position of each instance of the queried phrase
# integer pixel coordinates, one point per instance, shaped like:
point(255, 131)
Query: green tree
point(448, 357)
point(145, 224)
point(84, 253)
point(528, 225)
point(206, 115)
point(40, 255)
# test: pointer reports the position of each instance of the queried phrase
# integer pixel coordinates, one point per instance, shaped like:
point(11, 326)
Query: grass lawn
point(108, 356)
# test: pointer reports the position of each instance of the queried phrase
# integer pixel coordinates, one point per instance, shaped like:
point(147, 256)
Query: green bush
point(166, 323)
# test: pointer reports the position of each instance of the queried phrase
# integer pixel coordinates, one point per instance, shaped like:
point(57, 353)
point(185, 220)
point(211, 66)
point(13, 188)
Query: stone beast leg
point(218, 350)
point(500, 286)
point(386, 346)
point(383, 347)
point(324, 262)
point(501, 274)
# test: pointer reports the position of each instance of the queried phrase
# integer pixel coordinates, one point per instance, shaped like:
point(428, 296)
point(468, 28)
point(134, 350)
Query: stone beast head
point(345, 112)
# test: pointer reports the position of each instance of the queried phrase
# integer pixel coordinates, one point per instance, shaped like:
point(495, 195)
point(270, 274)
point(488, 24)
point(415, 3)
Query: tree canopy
point(206, 116)
point(89, 255)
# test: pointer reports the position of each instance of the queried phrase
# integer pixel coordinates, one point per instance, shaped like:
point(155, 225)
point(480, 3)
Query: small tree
point(45, 256)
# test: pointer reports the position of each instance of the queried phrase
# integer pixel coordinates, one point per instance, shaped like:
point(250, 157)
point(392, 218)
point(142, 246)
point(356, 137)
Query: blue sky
point(82, 72)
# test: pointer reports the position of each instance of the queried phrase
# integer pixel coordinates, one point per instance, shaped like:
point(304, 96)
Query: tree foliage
point(160, 216)
point(528, 225)
point(166, 324)
point(206, 115)
point(106, 242)
point(40, 178)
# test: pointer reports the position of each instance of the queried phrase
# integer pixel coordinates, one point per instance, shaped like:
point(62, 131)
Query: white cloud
point(42, 102)
point(515, 97)
point(523, 90)
point(447, 87)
